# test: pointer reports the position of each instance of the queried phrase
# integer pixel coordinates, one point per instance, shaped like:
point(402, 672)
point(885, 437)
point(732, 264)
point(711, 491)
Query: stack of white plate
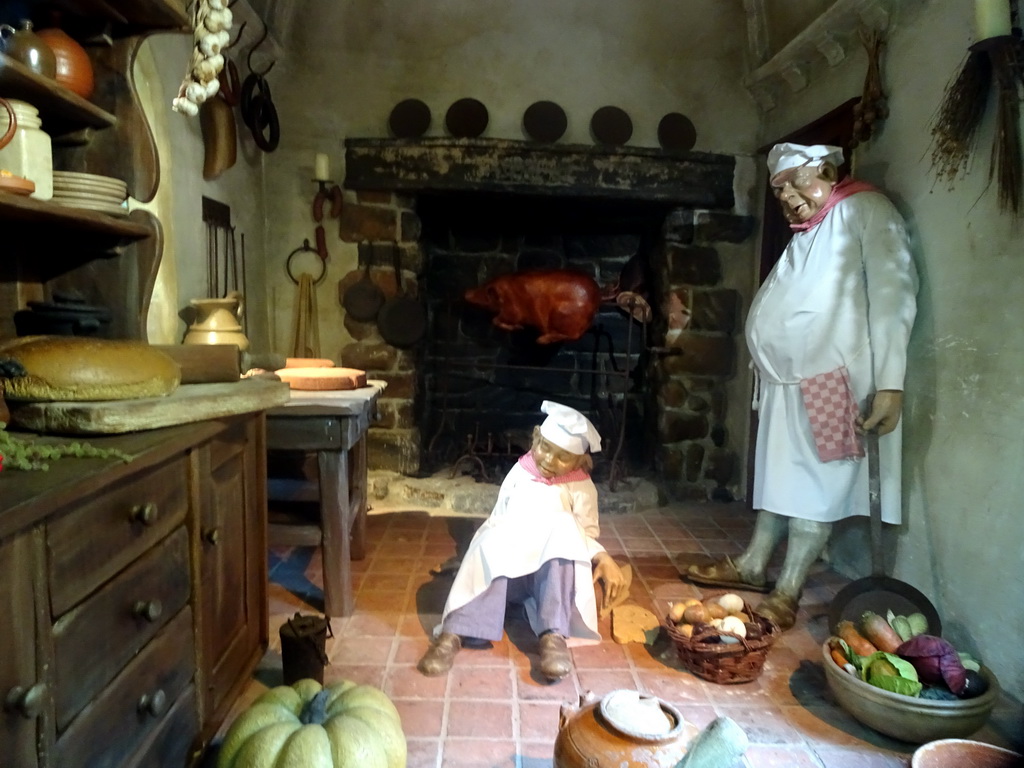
point(90, 192)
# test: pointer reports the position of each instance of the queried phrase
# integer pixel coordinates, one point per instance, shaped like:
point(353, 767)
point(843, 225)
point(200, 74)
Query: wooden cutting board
point(323, 379)
point(187, 404)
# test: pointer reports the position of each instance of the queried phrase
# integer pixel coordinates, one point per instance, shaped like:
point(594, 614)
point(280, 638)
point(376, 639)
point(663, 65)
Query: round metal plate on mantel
point(409, 119)
point(676, 132)
point(466, 119)
point(611, 125)
point(545, 121)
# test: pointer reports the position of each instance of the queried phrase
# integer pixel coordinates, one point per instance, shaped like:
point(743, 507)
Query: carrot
point(857, 642)
point(877, 630)
point(837, 653)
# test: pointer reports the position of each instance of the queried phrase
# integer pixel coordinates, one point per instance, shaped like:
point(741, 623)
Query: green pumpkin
point(306, 725)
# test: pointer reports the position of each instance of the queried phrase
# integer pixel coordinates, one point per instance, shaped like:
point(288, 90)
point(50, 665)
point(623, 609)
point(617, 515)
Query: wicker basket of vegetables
point(720, 638)
point(893, 676)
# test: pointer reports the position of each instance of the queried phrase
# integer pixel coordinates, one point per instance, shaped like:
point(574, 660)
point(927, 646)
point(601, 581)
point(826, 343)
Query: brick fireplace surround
point(464, 210)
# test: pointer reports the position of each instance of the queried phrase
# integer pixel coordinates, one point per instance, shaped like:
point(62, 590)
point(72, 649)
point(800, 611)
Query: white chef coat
point(533, 522)
point(843, 293)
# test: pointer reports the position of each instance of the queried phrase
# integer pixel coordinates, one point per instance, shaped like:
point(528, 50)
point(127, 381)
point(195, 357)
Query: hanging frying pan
point(363, 299)
point(402, 320)
point(879, 593)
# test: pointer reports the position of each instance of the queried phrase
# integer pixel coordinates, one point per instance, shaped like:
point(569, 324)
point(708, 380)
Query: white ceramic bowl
point(909, 718)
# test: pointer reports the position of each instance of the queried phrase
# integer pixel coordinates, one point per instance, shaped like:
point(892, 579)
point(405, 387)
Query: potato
point(695, 614)
point(675, 612)
point(741, 616)
point(686, 630)
point(715, 610)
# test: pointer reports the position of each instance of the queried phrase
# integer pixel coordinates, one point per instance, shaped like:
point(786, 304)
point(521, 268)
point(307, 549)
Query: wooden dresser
point(132, 597)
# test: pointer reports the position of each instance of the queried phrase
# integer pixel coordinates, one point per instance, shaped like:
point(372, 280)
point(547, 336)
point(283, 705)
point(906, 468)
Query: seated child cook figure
point(537, 547)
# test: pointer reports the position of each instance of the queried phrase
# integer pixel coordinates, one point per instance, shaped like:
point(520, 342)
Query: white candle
point(322, 167)
point(991, 18)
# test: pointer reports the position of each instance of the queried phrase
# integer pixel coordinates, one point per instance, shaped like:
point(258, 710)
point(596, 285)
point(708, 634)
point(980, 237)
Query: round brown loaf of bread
point(77, 368)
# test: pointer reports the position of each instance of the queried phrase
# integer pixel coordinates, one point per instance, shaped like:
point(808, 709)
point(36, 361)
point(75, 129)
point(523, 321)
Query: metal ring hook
point(305, 248)
point(257, 44)
point(233, 43)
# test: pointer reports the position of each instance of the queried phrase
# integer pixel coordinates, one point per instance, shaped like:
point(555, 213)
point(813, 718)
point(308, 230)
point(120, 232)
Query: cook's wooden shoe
point(555, 661)
point(441, 655)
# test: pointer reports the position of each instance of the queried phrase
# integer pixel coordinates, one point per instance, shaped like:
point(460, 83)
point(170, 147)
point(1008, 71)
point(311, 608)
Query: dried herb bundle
point(955, 130)
point(1006, 163)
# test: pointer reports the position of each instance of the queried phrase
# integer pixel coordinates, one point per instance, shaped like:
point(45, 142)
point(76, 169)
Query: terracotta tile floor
point(493, 709)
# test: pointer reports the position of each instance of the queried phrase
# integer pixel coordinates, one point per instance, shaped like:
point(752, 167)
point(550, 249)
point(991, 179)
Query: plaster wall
point(960, 540)
point(159, 67)
point(351, 61)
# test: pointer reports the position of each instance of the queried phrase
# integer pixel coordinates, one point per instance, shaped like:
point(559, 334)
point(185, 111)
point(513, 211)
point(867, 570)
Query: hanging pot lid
point(544, 121)
point(611, 125)
point(409, 119)
point(466, 119)
point(676, 132)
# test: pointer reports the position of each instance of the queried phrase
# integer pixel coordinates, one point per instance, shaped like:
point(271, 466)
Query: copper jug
point(601, 733)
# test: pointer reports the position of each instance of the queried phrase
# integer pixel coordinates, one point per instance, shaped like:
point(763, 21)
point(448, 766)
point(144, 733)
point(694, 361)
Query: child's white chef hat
point(569, 429)
point(786, 155)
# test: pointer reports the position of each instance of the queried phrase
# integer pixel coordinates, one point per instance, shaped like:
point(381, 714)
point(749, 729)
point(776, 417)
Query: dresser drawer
point(94, 640)
point(176, 743)
point(137, 705)
point(101, 536)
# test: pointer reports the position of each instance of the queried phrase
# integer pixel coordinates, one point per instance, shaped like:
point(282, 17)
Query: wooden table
point(331, 426)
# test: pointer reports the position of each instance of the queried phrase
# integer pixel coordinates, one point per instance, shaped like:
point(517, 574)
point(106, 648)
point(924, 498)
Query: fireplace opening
point(480, 387)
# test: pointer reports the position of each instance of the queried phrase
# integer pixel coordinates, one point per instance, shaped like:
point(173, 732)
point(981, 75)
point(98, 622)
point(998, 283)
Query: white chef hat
point(784, 156)
point(569, 429)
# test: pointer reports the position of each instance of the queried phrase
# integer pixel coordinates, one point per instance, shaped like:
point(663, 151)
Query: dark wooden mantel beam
point(694, 179)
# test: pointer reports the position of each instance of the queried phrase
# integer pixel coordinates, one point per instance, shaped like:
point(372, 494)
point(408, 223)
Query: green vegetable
point(19, 453)
point(918, 624)
point(891, 673)
point(969, 662)
point(901, 625)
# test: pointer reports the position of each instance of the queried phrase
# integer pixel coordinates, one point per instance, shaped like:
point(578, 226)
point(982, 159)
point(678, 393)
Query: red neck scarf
point(526, 462)
point(844, 189)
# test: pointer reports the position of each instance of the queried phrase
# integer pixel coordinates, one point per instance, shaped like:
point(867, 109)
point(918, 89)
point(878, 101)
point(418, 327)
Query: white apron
point(843, 293)
point(533, 522)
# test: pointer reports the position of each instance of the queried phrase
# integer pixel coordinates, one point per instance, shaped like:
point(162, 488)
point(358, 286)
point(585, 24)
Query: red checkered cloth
point(832, 410)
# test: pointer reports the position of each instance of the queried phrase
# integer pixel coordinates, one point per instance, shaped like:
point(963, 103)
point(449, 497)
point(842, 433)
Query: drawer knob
point(144, 513)
point(212, 535)
point(153, 703)
point(149, 610)
point(28, 702)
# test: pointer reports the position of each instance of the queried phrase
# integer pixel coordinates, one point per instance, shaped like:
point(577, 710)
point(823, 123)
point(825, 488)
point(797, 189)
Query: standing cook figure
point(828, 333)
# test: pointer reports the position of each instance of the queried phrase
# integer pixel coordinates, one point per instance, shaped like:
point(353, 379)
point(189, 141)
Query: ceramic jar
point(29, 153)
point(74, 69)
point(601, 733)
point(217, 322)
point(25, 46)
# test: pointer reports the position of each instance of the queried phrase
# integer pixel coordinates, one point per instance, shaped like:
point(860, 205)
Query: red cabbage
point(936, 661)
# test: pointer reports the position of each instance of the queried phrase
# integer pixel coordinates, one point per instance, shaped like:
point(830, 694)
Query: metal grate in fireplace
point(480, 387)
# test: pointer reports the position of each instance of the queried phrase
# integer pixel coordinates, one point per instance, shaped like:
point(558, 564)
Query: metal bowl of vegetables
point(909, 718)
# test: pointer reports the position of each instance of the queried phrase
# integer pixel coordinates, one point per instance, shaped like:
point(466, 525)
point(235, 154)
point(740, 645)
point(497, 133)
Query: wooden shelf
point(50, 218)
point(60, 109)
point(145, 14)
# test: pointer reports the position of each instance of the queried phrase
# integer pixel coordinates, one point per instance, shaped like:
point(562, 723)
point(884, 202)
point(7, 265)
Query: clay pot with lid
point(73, 67)
point(624, 729)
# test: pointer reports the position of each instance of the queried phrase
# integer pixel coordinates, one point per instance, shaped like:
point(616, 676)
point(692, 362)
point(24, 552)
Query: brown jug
point(26, 46)
point(74, 69)
point(597, 735)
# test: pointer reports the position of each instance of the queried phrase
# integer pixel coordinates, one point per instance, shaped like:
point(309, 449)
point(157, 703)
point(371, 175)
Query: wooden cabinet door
point(232, 544)
point(23, 692)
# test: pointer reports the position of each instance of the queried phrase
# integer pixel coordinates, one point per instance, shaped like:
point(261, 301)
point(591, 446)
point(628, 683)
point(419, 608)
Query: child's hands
point(607, 571)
